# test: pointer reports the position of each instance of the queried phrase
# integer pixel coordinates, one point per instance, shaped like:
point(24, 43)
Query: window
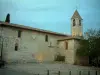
point(80, 22)
point(46, 38)
point(16, 47)
point(73, 22)
point(19, 33)
point(66, 45)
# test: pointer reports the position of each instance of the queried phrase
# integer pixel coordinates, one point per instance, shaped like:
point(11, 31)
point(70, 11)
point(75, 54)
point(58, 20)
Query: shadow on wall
point(83, 61)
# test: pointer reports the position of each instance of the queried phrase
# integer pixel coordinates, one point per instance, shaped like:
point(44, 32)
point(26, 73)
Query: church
point(25, 44)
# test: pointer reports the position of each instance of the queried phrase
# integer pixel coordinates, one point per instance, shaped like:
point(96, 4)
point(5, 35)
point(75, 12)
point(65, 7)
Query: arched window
point(19, 33)
point(80, 22)
point(66, 45)
point(73, 22)
point(16, 46)
point(46, 38)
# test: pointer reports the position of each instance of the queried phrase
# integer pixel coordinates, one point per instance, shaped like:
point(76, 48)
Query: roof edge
point(31, 28)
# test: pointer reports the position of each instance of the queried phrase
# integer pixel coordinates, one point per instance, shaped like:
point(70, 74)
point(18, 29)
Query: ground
point(41, 69)
point(6, 71)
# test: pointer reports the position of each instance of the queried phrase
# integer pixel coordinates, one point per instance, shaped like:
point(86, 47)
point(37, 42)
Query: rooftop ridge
point(31, 28)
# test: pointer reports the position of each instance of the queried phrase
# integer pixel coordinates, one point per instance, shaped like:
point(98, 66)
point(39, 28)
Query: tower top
point(76, 15)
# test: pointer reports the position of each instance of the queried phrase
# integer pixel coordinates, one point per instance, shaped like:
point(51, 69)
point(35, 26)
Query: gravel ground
point(41, 69)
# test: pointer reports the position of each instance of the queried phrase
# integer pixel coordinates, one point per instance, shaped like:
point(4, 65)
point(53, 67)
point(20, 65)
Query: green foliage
point(90, 46)
point(7, 18)
point(83, 49)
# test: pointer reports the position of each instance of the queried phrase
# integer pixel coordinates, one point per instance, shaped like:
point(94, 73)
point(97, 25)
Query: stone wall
point(70, 52)
point(31, 46)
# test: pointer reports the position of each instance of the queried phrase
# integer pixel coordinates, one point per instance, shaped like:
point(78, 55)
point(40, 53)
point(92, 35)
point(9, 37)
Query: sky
point(53, 15)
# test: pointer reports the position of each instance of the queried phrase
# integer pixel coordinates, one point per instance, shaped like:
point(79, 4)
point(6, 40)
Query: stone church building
point(19, 43)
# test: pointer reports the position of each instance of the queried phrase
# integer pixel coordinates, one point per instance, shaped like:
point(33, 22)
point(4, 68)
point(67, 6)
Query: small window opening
point(16, 47)
point(66, 45)
point(80, 22)
point(19, 33)
point(46, 38)
point(74, 22)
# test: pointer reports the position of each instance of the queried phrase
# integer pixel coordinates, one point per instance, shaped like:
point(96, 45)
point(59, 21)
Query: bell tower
point(76, 25)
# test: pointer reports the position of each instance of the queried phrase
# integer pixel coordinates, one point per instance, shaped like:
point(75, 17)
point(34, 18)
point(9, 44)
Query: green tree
point(90, 45)
point(8, 18)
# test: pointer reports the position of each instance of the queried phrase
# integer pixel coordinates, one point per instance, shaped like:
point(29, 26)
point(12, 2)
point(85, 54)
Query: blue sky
point(53, 15)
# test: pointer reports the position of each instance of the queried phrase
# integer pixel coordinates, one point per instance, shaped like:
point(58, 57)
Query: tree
point(8, 18)
point(0, 46)
point(90, 45)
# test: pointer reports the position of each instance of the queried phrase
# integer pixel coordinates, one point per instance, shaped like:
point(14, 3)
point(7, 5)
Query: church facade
point(26, 44)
